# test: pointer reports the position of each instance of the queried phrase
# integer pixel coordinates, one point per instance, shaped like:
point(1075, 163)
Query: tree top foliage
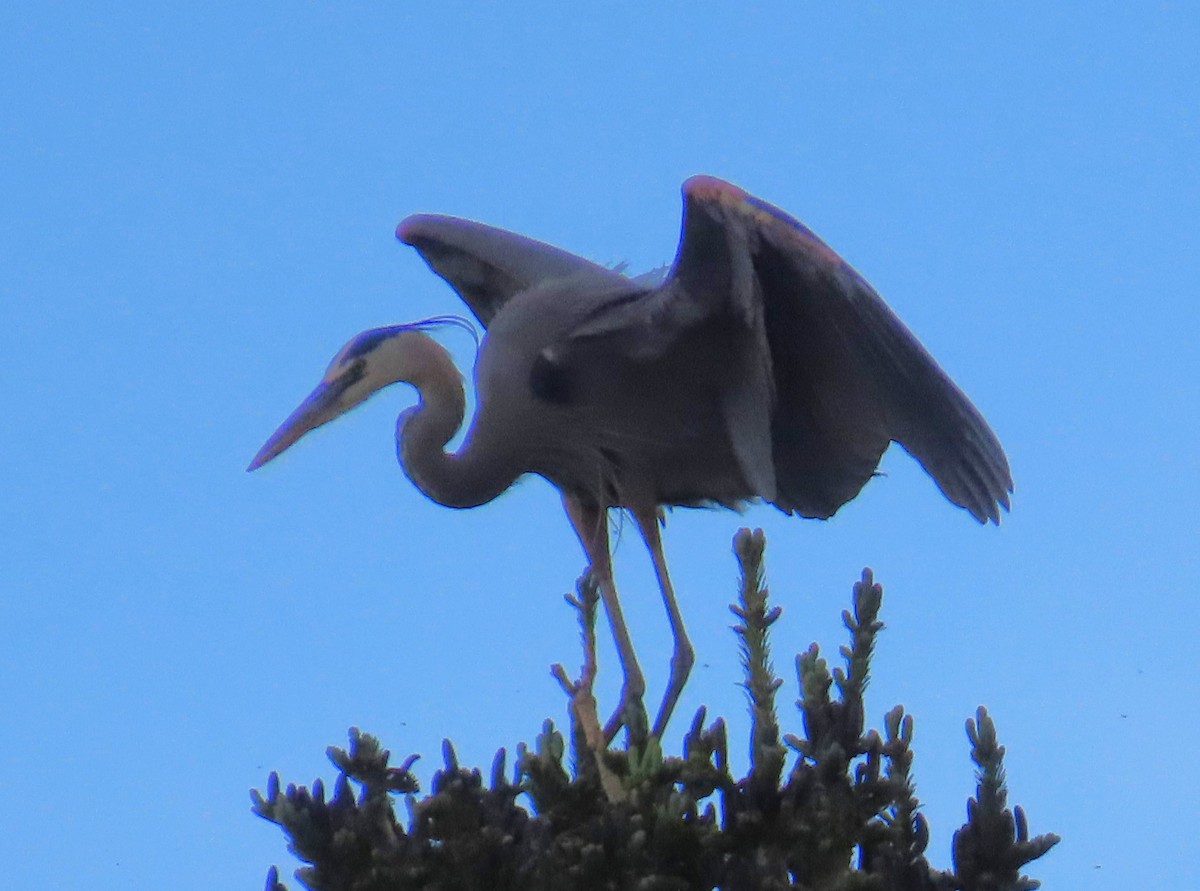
point(844, 816)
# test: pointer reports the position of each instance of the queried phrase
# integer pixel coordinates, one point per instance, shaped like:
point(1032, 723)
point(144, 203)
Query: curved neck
point(466, 478)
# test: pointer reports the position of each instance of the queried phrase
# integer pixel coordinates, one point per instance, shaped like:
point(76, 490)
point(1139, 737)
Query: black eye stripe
point(351, 376)
point(367, 342)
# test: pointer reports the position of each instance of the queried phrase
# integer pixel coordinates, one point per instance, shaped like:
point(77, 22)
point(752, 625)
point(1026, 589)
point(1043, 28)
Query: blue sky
point(197, 210)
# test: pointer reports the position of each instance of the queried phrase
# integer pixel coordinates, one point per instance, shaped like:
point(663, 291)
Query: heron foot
point(630, 714)
point(682, 661)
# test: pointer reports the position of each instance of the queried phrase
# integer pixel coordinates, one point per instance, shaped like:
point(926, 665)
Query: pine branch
point(994, 844)
point(845, 817)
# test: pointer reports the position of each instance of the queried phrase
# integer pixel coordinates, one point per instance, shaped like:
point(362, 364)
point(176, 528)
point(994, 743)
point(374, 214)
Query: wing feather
point(821, 374)
point(851, 376)
point(487, 265)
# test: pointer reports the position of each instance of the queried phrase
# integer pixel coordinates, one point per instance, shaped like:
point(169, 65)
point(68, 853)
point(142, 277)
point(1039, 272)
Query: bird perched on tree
point(761, 367)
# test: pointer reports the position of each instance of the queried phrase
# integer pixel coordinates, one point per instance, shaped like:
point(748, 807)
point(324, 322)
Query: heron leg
point(590, 522)
point(683, 656)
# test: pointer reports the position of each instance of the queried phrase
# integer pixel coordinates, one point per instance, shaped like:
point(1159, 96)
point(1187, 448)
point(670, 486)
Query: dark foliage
point(844, 817)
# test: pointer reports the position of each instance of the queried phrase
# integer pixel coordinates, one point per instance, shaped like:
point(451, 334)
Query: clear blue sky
point(196, 210)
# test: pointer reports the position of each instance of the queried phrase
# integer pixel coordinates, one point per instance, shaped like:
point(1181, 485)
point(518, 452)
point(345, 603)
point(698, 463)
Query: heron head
point(366, 364)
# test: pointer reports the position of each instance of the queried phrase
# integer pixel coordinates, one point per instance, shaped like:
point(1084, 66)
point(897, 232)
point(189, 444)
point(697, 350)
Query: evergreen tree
point(844, 817)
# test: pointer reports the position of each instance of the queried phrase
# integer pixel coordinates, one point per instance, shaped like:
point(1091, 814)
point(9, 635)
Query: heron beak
point(322, 406)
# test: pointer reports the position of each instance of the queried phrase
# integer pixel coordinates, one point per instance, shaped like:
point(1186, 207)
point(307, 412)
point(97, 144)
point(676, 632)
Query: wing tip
point(705, 186)
point(711, 190)
point(409, 228)
point(991, 510)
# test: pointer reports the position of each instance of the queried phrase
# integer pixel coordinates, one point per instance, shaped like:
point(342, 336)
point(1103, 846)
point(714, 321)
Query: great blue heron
point(761, 367)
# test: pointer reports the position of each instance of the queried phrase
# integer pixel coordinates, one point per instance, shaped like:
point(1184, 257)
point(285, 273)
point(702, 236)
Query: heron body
point(760, 367)
point(580, 430)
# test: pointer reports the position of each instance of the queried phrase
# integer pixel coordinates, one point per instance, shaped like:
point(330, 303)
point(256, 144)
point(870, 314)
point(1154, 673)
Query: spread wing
point(822, 376)
point(487, 266)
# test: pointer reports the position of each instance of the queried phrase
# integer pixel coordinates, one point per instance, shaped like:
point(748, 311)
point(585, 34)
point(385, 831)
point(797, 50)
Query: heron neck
point(466, 478)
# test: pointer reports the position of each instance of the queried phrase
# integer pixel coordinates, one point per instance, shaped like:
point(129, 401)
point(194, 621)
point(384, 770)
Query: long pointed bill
point(321, 407)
